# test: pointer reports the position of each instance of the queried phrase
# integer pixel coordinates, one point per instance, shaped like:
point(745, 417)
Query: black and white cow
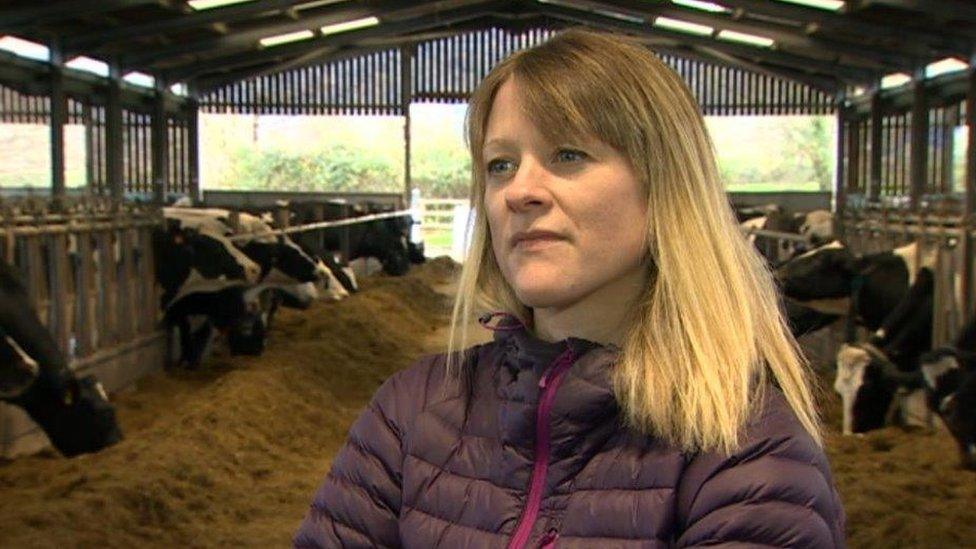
point(803, 319)
point(950, 376)
point(73, 412)
point(867, 287)
point(882, 375)
point(385, 239)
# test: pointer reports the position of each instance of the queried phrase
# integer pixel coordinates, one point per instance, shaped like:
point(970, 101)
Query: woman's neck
point(600, 317)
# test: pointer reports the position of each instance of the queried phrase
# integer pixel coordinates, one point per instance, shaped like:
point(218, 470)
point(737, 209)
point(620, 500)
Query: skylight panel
point(350, 25)
point(140, 79)
point(949, 64)
point(699, 5)
point(894, 80)
point(25, 48)
point(87, 64)
point(286, 38)
point(746, 38)
point(211, 4)
point(829, 5)
point(683, 26)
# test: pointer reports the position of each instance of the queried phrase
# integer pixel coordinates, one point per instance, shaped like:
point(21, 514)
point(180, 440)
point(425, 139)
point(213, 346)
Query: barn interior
point(230, 452)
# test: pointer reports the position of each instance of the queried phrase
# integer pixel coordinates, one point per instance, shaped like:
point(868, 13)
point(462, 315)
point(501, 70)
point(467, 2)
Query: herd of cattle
point(228, 272)
point(219, 272)
point(894, 376)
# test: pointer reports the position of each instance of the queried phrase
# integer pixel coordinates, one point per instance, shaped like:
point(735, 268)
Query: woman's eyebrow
point(499, 142)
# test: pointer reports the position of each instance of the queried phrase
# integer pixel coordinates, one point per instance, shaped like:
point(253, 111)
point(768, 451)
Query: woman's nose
point(529, 188)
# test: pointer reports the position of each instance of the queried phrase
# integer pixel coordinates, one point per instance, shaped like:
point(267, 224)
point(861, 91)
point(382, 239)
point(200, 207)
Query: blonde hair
point(708, 331)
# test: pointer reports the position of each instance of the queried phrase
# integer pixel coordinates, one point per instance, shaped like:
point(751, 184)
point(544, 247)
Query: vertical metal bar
point(113, 138)
point(406, 56)
point(160, 146)
point(840, 190)
point(192, 145)
point(84, 280)
point(969, 192)
point(59, 320)
point(919, 141)
point(57, 119)
point(874, 185)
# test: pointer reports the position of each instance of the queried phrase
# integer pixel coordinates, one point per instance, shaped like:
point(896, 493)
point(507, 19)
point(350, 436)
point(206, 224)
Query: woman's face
point(567, 219)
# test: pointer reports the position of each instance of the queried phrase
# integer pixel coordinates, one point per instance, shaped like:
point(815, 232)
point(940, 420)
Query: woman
point(642, 389)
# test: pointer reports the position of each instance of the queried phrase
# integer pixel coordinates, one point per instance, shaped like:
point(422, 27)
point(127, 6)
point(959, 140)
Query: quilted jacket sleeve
point(776, 491)
point(358, 503)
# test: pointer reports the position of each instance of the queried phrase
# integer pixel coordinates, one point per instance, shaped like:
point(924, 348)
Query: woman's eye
point(498, 166)
point(570, 155)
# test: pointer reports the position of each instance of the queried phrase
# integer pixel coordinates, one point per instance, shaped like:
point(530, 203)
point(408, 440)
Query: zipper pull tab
point(549, 540)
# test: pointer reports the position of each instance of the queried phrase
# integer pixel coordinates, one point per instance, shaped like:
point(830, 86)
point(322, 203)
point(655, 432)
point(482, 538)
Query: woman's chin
point(542, 297)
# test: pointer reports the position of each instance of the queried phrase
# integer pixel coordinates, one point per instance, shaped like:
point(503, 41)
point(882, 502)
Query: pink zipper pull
point(549, 540)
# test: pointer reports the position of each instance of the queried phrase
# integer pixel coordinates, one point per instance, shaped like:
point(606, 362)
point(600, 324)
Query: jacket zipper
point(549, 383)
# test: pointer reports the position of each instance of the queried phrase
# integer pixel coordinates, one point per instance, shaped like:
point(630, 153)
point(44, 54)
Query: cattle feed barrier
point(322, 225)
point(944, 242)
point(90, 276)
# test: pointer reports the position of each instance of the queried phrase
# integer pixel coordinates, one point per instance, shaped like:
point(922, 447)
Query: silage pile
point(230, 455)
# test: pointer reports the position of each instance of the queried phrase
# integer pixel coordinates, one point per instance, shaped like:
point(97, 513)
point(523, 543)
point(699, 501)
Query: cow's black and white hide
point(950, 378)
point(880, 378)
point(832, 279)
point(818, 227)
point(185, 256)
point(230, 307)
point(803, 319)
point(73, 412)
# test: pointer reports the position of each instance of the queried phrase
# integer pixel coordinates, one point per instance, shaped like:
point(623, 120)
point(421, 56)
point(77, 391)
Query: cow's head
point(282, 260)
point(865, 388)
point(74, 413)
point(823, 273)
point(211, 254)
point(951, 390)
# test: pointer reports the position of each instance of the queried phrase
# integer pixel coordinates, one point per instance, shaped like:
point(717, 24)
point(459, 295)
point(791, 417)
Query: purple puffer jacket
point(533, 455)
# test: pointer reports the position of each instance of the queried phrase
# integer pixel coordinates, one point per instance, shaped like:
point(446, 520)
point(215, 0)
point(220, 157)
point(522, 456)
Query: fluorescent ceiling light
point(949, 64)
point(621, 16)
point(699, 5)
point(350, 25)
point(88, 64)
point(894, 80)
point(210, 4)
point(25, 48)
point(829, 5)
point(315, 4)
point(745, 38)
point(682, 26)
point(140, 79)
point(179, 89)
point(285, 38)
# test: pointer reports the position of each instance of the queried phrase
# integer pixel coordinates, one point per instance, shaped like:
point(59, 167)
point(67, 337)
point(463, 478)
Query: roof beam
point(876, 57)
point(758, 54)
point(211, 83)
point(942, 9)
point(97, 40)
point(248, 38)
point(825, 84)
point(48, 12)
point(324, 45)
point(817, 21)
